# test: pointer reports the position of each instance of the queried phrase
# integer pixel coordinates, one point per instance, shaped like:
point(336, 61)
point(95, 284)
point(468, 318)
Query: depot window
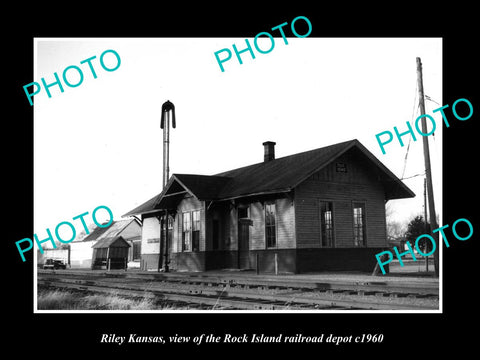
point(196, 230)
point(270, 226)
point(359, 234)
point(326, 223)
point(191, 231)
point(186, 232)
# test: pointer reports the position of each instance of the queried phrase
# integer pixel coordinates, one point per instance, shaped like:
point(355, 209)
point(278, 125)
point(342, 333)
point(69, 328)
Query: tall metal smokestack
point(165, 125)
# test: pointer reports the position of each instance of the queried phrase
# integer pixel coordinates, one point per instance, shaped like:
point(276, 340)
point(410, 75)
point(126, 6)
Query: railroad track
point(248, 293)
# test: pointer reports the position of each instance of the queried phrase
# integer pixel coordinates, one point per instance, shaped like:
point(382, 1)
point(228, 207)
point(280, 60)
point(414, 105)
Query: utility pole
point(425, 217)
point(165, 125)
point(428, 170)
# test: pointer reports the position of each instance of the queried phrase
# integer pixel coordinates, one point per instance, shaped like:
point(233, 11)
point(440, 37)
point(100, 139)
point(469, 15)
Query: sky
point(100, 143)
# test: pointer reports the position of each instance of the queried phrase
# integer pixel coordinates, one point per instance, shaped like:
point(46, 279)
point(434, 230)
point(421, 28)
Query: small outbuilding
point(110, 254)
point(130, 230)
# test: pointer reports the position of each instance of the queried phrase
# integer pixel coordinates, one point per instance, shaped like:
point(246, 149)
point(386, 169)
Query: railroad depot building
point(319, 210)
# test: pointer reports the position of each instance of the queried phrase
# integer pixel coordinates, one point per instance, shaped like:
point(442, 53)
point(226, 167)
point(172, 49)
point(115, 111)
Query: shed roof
point(111, 242)
point(275, 176)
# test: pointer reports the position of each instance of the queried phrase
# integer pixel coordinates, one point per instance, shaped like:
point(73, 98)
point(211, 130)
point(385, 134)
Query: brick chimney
point(269, 154)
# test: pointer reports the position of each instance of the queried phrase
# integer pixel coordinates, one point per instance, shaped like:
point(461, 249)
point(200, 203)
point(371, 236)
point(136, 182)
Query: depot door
point(243, 245)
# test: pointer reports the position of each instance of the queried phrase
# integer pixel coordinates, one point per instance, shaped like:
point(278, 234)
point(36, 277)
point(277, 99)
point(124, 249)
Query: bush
point(415, 228)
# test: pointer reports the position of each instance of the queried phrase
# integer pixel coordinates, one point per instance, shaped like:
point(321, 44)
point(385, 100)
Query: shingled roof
point(115, 228)
point(203, 187)
point(282, 174)
point(275, 176)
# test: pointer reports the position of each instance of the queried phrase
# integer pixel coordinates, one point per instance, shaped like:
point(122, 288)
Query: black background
point(79, 334)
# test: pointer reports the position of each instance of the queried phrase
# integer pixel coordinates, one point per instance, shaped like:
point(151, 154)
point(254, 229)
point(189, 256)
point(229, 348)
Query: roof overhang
point(173, 192)
point(260, 193)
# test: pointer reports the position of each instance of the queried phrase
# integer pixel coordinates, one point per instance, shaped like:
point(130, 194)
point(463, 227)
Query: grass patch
point(54, 299)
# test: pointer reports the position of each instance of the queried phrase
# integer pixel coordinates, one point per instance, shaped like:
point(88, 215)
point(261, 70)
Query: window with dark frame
point(186, 231)
point(170, 232)
point(326, 223)
point(190, 231)
point(270, 230)
point(359, 224)
point(196, 230)
point(341, 167)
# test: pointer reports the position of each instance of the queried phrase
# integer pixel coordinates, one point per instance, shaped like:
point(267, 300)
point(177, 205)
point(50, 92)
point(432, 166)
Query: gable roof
point(282, 174)
point(111, 231)
point(203, 187)
point(275, 176)
point(116, 241)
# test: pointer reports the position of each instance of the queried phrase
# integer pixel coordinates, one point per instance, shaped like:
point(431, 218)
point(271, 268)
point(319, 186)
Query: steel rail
point(260, 300)
point(361, 287)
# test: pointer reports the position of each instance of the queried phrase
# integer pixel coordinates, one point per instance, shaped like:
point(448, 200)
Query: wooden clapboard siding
point(358, 184)
point(177, 233)
point(257, 230)
point(285, 224)
point(342, 223)
point(203, 242)
point(232, 228)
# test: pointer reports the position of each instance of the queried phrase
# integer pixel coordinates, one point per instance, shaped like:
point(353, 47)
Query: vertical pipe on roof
point(269, 151)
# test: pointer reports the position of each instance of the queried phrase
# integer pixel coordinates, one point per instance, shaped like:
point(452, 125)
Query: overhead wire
point(410, 138)
point(430, 99)
point(437, 151)
point(409, 177)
